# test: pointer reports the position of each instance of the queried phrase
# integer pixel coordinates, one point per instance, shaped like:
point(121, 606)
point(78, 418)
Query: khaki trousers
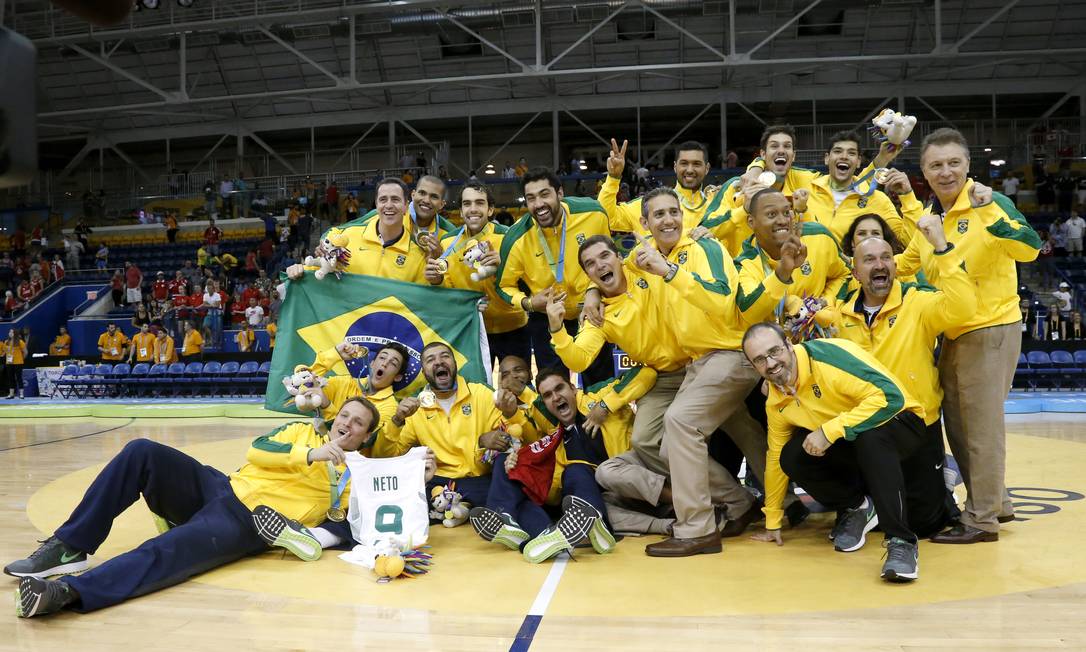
point(714, 389)
point(976, 371)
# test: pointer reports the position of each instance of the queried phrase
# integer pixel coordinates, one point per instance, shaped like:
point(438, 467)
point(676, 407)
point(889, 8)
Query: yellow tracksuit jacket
point(989, 240)
point(617, 393)
point(838, 218)
point(615, 431)
point(903, 334)
point(277, 475)
point(343, 386)
point(402, 260)
point(700, 300)
point(453, 437)
point(823, 274)
point(634, 321)
point(444, 226)
point(627, 216)
point(499, 317)
point(523, 258)
point(840, 388)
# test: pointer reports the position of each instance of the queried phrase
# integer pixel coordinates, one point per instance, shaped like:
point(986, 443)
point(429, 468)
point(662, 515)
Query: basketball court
point(1025, 592)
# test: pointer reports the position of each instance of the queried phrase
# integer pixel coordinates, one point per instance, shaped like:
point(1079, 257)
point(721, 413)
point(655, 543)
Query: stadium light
point(490, 169)
point(582, 165)
point(998, 161)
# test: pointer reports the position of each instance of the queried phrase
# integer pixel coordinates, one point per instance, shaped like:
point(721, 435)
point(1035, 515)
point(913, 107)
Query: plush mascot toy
point(893, 127)
point(448, 506)
point(472, 258)
point(392, 559)
point(306, 387)
point(332, 256)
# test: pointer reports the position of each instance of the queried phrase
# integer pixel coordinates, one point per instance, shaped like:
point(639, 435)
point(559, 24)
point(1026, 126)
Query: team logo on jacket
point(580, 238)
point(963, 225)
point(643, 284)
point(682, 257)
point(892, 320)
point(805, 268)
point(862, 203)
point(817, 391)
point(401, 259)
point(466, 409)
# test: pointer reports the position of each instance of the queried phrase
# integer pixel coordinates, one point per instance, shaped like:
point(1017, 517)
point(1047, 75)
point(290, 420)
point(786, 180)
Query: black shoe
point(737, 526)
point(53, 557)
point(964, 534)
point(37, 597)
point(796, 513)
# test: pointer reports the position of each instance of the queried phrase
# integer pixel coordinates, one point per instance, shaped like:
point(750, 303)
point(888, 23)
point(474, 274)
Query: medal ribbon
point(415, 224)
point(558, 268)
point(872, 185)
point(451, 248)
point(336, 484)
point(685, 203)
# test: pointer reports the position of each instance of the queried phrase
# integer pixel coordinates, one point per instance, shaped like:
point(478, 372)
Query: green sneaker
point(53, 557)
point(499, 528)
point(37, 597)
point(281, 532)
point(603, 542)
point(578, 517)
point(161, 524)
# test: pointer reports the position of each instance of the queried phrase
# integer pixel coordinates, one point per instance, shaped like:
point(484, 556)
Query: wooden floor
point(1026, 592)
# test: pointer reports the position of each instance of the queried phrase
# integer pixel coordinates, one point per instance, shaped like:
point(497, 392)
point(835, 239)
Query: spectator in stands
point(228, 261)
point(272, 329)
point(203, 258)
point(25, 293)
point(1065, 191)
point(212, 235)
point(522, 167)
point(191, 274)
point(213, 303)
point(112, 344)
point(236, 309)
point(164, 350)
point(1074, 330)
point(251, 265)
point(1044, 186)
point(72, 250)
point(81, 232)
point(260, 204)
point(294, 215)
point(62, 345)
point(160, 288)
point(178, 285)
point(193, 345)
point(1010, 187)
point(1046, 261)
point(7, 268)
point(246, 339)
point(143, 345)
point(169, 317)
point(101, 257)
point(14, 357)
point(509, 172)
point(209, 198)
point(1059, 235)
point(37, 284)
point(331, 202)
point(1063, 298)
point(18, 241)
point(171, 227)
point(1027, 316)
point(226, 192)
point(194, 311)
point(350, 207)
point(254, 314)
point(37, 239)
point(142, 317)
point(1054, 323)
point(133, 277)
point(1076, 227)
point(56, 268)
point(265, 253)
point(11, 304)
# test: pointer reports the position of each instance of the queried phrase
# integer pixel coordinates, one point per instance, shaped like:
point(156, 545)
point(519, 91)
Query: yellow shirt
point(989, 240)
point(278, 476)
point(524, 259)
point(164, 352)
point(453, 437)
point(272, 330)
point(193, 343)
point(822, 275)
point(245, 339)
point(821, 208)
point(841, 389)
point(703, 292)
point(903, 333)
point(444, 227)
point(633, 321)
point(61, 346)
point(113, 344)
point(144, 346)
point(402, 260)
point(627, 216)
point(341, 388)
point(14, 354)
point(499, 317)
point(616, 393)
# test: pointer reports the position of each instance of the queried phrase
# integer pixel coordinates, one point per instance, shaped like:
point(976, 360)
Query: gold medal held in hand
point(336, 514)
point(767, 178)
point(882, 175)
point(442, 265)
point(427, 399)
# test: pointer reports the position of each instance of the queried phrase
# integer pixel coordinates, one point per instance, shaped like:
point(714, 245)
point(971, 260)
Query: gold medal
point(882, 175)
point(336, 514)
point(767, 178)
point(427, 399)
point(442, 265)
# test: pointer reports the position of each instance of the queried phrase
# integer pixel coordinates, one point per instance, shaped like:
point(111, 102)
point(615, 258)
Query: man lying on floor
point(210, 518)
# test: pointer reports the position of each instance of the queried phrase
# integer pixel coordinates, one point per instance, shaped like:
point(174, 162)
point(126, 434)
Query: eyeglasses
point(777, 353)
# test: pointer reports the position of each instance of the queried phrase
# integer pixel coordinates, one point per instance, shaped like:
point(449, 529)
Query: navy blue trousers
point(472, 490)
point(507, 496)
point(213, 526)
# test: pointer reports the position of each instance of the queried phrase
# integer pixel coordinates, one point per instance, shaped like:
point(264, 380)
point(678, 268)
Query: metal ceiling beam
point(124, 157)
point(584, 37)
point(509, 140)
point(588, 129)
point(355, 144)
point(599, 102)
point(268, 149)
point(88, 147)
point(1071, 92)
point(793, 19)
point(979, 28)
point(935, 111)
point(680, 132)
point(682, 30)
point(387, 85)
point(482, 39)
point(301, 55)
point(210, 151)
point(122, 72)
point(427, 141)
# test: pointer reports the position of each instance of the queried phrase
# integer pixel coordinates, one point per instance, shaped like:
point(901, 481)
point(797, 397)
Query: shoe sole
point(574, 525)
point(987, 537)
point(274, 529)
point(23, 610)
point(871, 525)
point(490, 526)
point(603, 542)
point(63, 569)
point(900, 578)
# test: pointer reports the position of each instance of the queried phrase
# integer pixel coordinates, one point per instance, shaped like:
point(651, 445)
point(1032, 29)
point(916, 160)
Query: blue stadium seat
point(83, 380)
point(155, 375)
point(135, 377)
point(225, 380)
point(244, 381)
point(67, 380)
point(174, 378)
point(1064, 365)
point(115, 380)
point(1041, 364)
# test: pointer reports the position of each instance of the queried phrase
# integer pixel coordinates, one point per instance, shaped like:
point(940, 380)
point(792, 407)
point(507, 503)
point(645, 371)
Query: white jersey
point(388, 499)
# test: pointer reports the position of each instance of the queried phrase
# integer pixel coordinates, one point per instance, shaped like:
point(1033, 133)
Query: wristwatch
point(673, 269)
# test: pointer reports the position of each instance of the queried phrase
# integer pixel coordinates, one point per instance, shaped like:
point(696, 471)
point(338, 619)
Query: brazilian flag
point(371, 311)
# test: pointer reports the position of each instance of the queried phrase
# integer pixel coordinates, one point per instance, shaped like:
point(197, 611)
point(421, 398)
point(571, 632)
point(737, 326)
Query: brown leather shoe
point(962, 534)
point(676, 547)
point(737, 526)
point(1005, 519)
